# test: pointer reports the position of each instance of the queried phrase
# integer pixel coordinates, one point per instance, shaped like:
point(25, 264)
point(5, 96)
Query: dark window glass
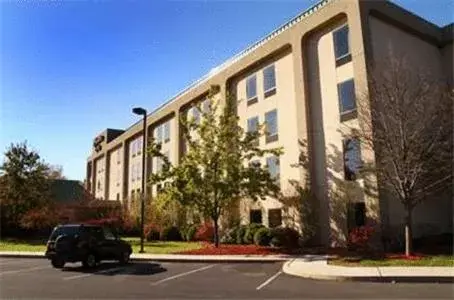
point(352, 158)
point(271, 125)
point(341, 42)
point(251, 87)
point(273, 168)
point(346, 91)
point(274, 217)
point(118, 196)
point(255, 216)
point(108, 235)
point(269, 78)
point(66, 230)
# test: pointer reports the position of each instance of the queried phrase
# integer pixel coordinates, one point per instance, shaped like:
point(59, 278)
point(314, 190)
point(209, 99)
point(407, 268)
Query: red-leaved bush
point(205, 232)
point(40, 218)
point(359, 238)
point(108, 222)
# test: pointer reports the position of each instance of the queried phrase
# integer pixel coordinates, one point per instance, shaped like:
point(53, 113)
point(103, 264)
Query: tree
point(409, 126)
point(216, 170)
point(55, 172)
point(23, 182)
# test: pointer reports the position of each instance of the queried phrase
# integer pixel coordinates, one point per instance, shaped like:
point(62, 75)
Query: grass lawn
point(159, 247)
point(427, 261)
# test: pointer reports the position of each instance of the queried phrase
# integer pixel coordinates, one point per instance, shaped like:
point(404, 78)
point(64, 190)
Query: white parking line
point(269, 280)
point(23, 270)
point(90, 274)
point(183, 274)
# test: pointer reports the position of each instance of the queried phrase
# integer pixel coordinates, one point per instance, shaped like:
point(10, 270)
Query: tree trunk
point(408, 232)
point(216, 232)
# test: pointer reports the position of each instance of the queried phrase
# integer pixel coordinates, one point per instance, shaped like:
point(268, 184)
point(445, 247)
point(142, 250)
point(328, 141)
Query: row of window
point(136, 171)
point(162, 133)
point(269, 84)
point(274, 217)
point(270, 125)
point(136, 146)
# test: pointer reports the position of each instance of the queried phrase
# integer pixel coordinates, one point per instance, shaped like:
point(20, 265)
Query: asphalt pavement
point(35, 278)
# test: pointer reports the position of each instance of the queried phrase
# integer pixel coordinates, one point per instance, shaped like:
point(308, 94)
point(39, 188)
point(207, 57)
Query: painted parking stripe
point(91, 274)
point(23, 270)
point(269, 280)
point(183, 274)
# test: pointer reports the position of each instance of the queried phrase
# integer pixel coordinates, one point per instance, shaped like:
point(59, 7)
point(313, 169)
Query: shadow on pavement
point(110, 269)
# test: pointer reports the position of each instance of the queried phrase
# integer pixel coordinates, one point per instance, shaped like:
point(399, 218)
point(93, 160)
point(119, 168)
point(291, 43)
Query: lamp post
point(142, 112)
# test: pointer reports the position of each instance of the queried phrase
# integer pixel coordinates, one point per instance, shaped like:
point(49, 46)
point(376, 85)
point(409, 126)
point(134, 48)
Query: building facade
point(302, 80)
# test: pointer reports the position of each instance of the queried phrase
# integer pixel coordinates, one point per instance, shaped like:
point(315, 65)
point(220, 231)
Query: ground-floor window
point(255, 216)
point(356, 215)
point(274, 217)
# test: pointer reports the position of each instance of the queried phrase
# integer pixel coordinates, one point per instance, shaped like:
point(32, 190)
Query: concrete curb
point(287, 269)
point(175, 257)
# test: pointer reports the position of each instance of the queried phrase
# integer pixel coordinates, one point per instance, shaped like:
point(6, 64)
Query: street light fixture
point(142, 112)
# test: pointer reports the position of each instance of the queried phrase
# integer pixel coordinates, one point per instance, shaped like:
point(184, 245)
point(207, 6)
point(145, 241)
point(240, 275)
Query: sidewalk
point(173, 257)
point(317, 267)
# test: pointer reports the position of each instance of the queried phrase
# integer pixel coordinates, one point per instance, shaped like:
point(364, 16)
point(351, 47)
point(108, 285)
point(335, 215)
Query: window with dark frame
point(356, 215)
point(274, 217)
point(252, 126)
point(255, 216)
point(269, 81)
point(347, 98)
point(352, 158)
point(341, 45)
point(251, 89)
point(271, 126)
point(272, 164)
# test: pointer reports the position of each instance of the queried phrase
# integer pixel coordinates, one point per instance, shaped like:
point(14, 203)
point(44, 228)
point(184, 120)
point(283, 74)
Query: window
point(139, 171)
point(118, 156)
point(269, 81)
point(255, 216)
point(274, 217)
point(196, 114)
point(271, 126)
point(356, 215)
point(133, 148)
point(133, 195)
point(352, 158)
point(158, 134)
point(158, 188)
point(251, 90)
point(272, 164)
point(108, 235)
point(341, 45)
point(252, 126)
point(346, 92)
point(166, 131)
point(206, 105)
point(139, 145)
point(118, 196)
point(118, 177)
point(133, 172)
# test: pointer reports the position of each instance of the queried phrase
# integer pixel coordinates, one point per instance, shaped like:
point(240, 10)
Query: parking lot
point(35, 278)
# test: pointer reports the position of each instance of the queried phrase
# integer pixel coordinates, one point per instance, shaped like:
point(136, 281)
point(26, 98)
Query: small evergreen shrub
point(250, 231)
point(240, 234)
point(229, 236)
point(262, 237)
point(284, 237)
point(171, 233)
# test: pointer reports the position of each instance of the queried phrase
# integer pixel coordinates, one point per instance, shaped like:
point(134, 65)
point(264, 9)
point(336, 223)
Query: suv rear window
point(66, 230)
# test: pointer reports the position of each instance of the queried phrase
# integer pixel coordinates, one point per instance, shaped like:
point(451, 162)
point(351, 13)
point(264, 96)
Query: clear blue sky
point(70, 69)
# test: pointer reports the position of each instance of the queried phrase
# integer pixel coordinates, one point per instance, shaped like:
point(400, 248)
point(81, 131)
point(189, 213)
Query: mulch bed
point(210, 249)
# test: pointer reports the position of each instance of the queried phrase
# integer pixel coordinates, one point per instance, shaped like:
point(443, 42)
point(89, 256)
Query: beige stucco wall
point(284, 102)
point(115, 174)
point(434, 216)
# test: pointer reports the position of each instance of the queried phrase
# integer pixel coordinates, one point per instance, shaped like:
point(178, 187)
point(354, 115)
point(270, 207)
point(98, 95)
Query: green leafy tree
point(215, 170)
point(23, 183)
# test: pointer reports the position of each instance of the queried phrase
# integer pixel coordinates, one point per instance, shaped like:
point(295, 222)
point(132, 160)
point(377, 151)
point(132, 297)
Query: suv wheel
point(57, 262)
point(89, 261)
point(124, 257)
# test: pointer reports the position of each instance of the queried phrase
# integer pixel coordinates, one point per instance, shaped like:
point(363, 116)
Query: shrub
point(171, 233)
point(205, 232)
point(105, 222)
point(39, 219)
point(229, 236)
point(262, 237)
point(190, 233)
point(240, 234)
point(359, 238)
point(250, 231)
point(284, 237)
point(151, 232)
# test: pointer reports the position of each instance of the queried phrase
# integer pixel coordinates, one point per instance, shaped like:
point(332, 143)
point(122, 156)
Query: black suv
point(86, 243)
